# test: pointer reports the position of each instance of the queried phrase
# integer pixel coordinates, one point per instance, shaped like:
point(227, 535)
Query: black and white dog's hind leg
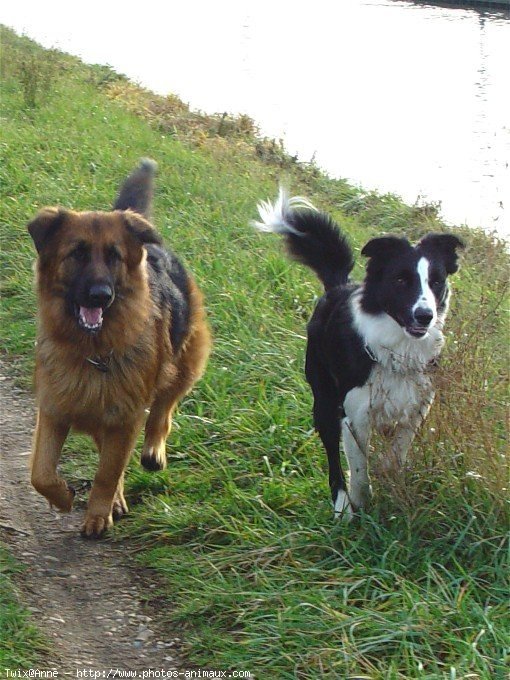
point(326, 416)
point(326, 410)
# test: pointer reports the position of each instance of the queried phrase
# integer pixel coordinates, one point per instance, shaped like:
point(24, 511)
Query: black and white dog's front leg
point(356, 435)
point(356, 430)
point(404, 435)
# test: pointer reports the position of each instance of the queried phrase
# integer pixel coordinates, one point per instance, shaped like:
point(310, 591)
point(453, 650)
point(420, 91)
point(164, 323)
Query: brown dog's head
point(89, 259)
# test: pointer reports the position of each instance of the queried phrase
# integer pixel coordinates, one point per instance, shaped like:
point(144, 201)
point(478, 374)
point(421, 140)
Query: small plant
point(37, 75)
point(103, 75)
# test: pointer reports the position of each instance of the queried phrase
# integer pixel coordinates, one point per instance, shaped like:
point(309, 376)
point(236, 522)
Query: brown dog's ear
point(45, 225)
point(142, 230)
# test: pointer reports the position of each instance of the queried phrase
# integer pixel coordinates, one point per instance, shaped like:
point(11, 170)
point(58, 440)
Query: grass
point(21, 644)
point(240, 525)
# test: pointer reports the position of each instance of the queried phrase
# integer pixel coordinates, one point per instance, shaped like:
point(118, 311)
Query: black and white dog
point(370, 346)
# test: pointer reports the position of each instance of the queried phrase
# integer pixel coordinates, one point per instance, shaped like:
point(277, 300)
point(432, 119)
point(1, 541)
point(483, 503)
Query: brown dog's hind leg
point(48, 441)
point(157, 429)
point(191, 362)
point(116, 448)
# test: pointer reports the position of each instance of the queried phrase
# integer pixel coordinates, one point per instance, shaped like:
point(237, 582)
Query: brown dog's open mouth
point(90, 318)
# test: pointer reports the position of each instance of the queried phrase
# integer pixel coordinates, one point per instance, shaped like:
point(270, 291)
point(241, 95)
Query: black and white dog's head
point(409, 283)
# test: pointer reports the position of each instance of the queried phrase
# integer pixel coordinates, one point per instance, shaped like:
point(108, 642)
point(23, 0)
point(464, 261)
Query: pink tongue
point(91, 315)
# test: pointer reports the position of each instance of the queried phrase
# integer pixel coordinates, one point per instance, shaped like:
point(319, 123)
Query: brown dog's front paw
point(64, 501)
point(153, 458)
point(94, 526)
point(60, 496)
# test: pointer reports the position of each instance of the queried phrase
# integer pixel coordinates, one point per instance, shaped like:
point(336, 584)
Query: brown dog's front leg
point(116, 448)
point(48, 441)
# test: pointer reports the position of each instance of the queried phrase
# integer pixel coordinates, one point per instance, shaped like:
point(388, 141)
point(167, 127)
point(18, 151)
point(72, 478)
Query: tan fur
point(143, 370)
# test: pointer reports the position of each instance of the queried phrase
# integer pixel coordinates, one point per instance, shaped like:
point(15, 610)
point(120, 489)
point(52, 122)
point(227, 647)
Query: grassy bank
point(240, 524)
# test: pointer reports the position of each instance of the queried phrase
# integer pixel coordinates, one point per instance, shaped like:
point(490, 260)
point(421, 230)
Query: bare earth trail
point(85, 596)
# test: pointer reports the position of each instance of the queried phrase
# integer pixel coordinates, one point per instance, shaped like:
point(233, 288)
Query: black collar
point(395, 367)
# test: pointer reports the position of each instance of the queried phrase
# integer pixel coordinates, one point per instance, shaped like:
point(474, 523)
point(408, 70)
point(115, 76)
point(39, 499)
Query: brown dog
point(121, 328)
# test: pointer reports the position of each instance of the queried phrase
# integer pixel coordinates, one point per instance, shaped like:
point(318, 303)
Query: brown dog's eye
point(113, 255)
point(80, 254)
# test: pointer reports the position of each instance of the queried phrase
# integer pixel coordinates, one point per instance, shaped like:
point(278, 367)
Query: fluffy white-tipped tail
point(310, 236)
point(275, 216)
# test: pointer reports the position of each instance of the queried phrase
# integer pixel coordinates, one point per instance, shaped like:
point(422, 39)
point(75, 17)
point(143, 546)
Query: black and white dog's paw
point(360, 495)
point(343, 507)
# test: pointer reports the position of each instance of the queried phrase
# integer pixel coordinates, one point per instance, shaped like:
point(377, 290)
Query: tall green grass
point(240, 525)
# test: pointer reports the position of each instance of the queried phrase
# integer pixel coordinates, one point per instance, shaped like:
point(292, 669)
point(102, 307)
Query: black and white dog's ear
point(386, 247)
point(444, 246)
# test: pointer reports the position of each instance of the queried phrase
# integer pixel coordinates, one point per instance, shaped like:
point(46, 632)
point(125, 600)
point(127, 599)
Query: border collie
point(370, 346)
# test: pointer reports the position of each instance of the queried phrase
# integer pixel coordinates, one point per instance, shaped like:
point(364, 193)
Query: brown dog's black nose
point(100, 295)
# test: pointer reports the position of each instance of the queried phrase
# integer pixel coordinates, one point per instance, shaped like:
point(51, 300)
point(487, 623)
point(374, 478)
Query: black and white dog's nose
point(423, 316)
point(100, 295)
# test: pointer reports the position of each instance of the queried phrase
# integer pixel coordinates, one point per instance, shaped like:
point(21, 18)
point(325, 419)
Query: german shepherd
point(121, 329)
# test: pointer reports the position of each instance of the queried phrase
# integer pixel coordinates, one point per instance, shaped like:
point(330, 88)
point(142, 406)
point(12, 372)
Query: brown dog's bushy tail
point(137, 191)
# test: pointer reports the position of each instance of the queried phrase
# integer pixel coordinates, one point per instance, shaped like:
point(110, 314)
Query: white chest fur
point(389, 398)
point(395, 397)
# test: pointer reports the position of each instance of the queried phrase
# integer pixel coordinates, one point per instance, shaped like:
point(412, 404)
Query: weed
point(37, 76)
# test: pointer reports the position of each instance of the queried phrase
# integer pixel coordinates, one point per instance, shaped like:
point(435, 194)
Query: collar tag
point(371, 354)
point(102, 364)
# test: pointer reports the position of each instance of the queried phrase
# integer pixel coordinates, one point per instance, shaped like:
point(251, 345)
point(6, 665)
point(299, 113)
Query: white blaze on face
point(426, 298)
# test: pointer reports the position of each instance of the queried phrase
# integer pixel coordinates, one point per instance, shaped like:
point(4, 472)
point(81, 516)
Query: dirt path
point(85, 596)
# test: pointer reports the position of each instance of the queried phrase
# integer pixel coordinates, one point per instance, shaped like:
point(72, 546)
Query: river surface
point(393, 95)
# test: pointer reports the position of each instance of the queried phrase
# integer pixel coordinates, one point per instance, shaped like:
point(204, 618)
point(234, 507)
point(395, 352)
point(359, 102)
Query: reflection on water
point(394, 95)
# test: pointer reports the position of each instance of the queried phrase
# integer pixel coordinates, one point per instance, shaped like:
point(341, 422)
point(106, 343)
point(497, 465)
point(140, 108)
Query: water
point(394, 96)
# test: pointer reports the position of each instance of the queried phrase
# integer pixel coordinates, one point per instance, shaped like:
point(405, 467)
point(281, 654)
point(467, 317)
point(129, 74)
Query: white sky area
point(392, 96)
